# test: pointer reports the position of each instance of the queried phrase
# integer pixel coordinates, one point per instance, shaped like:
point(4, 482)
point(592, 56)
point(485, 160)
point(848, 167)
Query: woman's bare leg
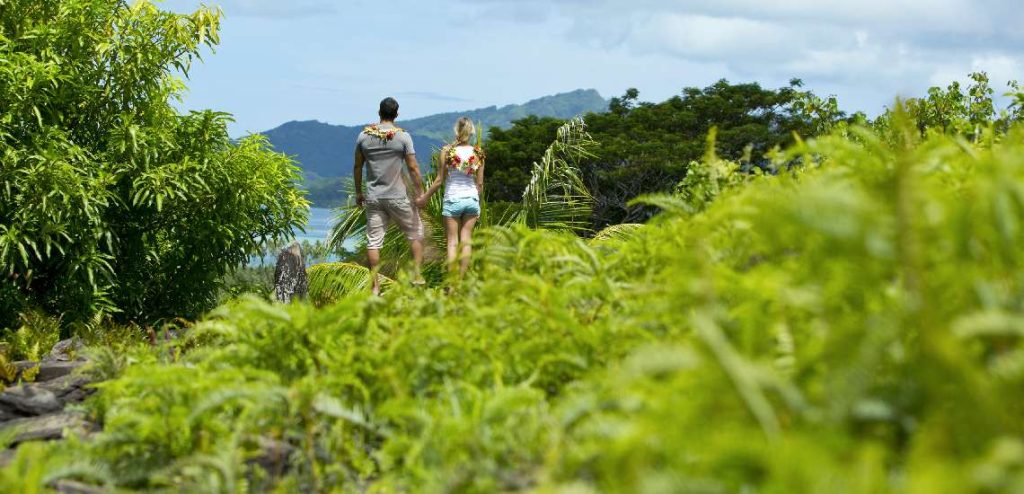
point(466, 238)
point(451, 228)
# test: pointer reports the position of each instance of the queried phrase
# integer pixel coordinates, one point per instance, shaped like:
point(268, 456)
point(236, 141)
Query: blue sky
point(282, 60)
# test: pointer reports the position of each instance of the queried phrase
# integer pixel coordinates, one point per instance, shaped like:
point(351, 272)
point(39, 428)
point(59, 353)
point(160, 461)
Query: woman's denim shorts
point(461, 206)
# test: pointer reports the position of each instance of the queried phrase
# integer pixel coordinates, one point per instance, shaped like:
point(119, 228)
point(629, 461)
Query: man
point(386, 149)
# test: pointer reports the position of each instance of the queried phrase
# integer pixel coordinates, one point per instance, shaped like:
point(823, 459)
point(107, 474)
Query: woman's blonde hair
point(464, 130)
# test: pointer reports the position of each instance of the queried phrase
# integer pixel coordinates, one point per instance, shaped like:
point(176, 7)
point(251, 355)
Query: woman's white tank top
point(460, 185)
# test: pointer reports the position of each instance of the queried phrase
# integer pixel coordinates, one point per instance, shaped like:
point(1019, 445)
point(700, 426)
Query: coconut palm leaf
point(330, 282)
point(624, 231)
point(351, 221)
point(556, 197)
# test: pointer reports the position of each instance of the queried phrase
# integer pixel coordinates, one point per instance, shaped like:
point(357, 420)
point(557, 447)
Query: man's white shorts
point(379, 212)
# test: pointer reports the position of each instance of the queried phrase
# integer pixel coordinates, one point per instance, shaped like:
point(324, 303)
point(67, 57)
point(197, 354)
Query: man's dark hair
point(388, 109)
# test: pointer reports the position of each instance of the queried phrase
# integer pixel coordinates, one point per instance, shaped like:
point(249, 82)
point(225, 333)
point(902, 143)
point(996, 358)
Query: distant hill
point(325, 150)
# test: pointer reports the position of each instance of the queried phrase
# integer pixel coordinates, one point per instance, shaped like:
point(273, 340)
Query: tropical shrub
point(112, 201)
point(957, 110)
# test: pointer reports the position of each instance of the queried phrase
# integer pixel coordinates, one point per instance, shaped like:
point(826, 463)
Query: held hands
point(421, 201)
point(360, 200)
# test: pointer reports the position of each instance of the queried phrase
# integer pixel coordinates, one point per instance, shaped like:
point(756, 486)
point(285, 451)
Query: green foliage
point(707, 179)
point(960, 111)
point(645, 148)
point(33, 339)
point(803, 332)
point(37, 466)
point(512, 153)
point(257, 281)
point(112, 202)
point(556, 197)
point(331, 282)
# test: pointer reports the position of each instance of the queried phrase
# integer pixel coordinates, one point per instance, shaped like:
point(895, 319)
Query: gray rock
point(290, 280)
point(65, 351)
point(72, 487)
point(69, 389)
point(46, 427)
point(50, 369)
point(29, 400)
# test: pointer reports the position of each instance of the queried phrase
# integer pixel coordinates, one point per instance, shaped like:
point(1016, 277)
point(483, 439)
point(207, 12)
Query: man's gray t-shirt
point(385, 161)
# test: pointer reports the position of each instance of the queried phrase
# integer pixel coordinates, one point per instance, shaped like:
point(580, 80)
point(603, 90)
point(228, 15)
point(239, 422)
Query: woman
point(462, 173)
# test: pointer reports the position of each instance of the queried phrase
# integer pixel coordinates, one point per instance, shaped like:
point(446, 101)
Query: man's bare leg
point(373, 255)
point(417, 260)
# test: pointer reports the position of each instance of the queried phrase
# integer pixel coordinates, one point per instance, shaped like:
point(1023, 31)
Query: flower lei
point(470, 165)
point(382, 134)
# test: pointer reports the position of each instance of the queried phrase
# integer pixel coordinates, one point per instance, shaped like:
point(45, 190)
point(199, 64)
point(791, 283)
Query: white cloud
point(701, 37)
point(891, 44)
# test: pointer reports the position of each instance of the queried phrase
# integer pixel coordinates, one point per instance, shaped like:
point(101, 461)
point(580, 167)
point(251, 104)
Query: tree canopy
point(647, 147)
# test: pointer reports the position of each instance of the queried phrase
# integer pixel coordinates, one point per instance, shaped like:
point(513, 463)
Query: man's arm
point(442, 175)
point(414, 172)
point(357, 175)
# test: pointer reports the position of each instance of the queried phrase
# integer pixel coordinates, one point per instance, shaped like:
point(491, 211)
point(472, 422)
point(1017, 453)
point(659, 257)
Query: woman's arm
point(480, 179)
point(442, 174)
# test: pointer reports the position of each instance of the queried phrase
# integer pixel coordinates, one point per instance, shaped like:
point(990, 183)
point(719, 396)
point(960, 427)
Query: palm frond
point(624, 231)
point(667, 202)
point(351, 221)
point(330, 282)
point(556, 197)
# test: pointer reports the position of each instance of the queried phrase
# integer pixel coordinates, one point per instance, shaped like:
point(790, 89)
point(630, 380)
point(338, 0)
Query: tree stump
point(290, 280)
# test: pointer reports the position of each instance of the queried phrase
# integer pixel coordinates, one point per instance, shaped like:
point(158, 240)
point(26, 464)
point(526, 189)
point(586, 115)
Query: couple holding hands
point(385, 150)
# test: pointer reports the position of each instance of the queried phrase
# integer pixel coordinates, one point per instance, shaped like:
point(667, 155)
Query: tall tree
point(110, 200)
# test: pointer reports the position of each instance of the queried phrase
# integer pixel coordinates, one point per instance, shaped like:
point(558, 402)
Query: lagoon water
point(319, 227)
point(317, 230)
